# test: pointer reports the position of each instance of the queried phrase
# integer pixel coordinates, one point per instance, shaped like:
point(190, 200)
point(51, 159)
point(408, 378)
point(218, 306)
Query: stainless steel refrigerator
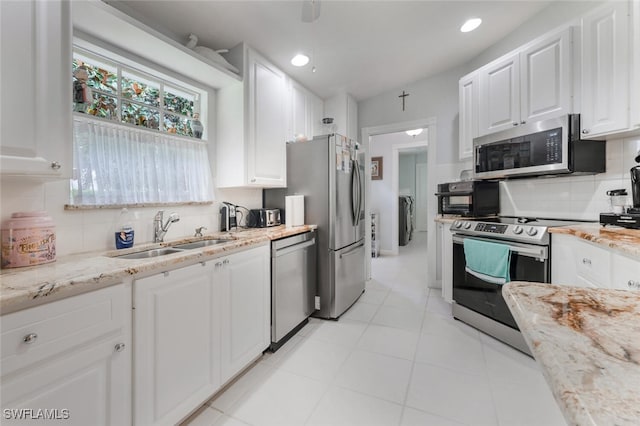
point(328, 171)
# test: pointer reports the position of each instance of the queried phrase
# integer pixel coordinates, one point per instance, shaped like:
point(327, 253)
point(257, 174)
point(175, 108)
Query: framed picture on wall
point(376, 168)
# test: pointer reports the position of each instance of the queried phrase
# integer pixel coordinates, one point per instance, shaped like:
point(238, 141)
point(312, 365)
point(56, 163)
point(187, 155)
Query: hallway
point(396, 357)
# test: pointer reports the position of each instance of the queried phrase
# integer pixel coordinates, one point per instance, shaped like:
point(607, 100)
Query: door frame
point(429, 123)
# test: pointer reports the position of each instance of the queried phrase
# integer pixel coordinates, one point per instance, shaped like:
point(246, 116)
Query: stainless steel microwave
point(549, 147)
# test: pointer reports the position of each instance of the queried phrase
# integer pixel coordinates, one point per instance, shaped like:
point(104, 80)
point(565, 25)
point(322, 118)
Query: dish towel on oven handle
point(487, 261)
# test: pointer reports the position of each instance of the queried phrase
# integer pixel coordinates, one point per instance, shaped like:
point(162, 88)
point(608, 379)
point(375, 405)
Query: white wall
point(579, 197)
point(407, 174)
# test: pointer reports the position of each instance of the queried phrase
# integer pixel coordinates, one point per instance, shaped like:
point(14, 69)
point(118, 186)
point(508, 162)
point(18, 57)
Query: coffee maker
point(228, 217)
point(630, 218)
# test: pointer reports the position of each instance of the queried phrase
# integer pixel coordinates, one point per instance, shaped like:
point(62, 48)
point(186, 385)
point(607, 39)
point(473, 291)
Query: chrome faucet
point(159, 230)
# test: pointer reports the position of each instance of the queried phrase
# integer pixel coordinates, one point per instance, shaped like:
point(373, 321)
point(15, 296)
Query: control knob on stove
point(517, 230)
point(457, 224)
point(467, 225)
point(531, 231)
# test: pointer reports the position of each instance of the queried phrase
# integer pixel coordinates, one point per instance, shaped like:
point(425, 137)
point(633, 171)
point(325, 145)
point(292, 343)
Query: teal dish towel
point(487, 261)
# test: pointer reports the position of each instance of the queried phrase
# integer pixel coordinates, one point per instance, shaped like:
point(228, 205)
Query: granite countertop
point(22, 288)
point(622, 239)
point(587, 342)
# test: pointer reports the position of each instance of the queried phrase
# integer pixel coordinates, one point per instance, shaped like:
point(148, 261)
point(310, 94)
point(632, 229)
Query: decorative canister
point(28, 238)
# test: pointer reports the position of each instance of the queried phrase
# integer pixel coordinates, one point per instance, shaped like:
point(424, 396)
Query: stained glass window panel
point(177, 125)
point(141, 90)
point(140, 115)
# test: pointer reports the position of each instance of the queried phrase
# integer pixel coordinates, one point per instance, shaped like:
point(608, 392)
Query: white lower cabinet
point(245, 283)
point(195, 328)
point(69, 361)
point(580, 263)
point(446, 253)
point(176, 328)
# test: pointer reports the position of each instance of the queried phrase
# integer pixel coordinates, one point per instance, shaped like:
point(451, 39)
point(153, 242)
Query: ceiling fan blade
point(310, 10)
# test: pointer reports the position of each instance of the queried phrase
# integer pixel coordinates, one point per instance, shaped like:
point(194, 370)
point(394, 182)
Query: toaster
point(262, 218)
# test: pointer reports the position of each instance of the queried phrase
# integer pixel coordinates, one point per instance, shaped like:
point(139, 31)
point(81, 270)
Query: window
point(133, 141)
point(123, 94)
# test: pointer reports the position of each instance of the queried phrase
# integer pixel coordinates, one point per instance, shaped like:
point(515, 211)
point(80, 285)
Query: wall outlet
point(317, 302)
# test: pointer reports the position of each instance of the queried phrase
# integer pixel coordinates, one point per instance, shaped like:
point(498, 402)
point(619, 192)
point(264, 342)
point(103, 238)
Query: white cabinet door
point(343, 108)
point(36, 84)
point(499, 95)
point(468, 119)
point(267, 123)
point(625, 273)
point(315, 114)
point(447, 263)
point(545, 78)
point(72, 356)
point(563, 265)
point(299, 117)
point(176, 339)
point(244, 281)
point(606, 62)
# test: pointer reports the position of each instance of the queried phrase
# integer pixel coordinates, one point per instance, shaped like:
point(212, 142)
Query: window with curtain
point(133, 139)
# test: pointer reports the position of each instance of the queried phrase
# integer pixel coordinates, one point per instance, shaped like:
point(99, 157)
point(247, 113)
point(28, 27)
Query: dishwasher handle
point(289, 249)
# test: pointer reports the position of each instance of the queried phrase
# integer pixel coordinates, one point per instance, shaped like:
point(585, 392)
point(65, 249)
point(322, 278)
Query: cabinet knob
point(218, 264)
point(119, 347)
point(253, 180)
point(55, 165)
point(515, 123)
point(30, 338)
point(586, 261)
point(226, 261)
point(523, 122)
point(634, 284)
point(585, 131)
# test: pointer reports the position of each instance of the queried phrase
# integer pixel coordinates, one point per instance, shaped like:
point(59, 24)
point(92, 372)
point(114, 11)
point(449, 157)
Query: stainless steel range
point(477, 300)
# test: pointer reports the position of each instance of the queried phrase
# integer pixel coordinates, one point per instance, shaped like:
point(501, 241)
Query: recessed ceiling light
point(414, 132)
point(470, 25)
point(300, 60)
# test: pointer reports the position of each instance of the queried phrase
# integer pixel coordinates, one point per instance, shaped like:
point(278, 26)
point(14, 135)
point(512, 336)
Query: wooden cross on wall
point(404, 95)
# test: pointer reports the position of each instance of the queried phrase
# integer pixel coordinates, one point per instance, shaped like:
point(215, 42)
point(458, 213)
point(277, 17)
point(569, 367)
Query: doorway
point(397, 143)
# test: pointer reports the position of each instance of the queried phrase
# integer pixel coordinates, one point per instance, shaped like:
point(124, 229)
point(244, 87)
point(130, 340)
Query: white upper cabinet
point(607, 69)
point(36, 85)
point(545, 78)
point(343, 108)
point(306, 111)
point(500, 95)
point(252, 124)
point(468, 120)
point(531, 83)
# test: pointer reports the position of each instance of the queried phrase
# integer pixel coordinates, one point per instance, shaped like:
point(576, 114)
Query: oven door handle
point(453, 194)
point(538, 252)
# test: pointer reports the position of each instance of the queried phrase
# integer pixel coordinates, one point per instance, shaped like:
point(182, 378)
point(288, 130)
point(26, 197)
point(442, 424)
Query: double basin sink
point(151, 253)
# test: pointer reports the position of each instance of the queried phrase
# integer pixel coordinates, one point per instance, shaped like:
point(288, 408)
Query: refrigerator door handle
point(354, 182)
point(352, 250)
point(360, 194)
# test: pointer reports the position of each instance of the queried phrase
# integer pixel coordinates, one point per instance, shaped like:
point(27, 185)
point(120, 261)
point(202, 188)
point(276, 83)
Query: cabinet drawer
point(593, 263)
point(41, 332)
point(625, 273)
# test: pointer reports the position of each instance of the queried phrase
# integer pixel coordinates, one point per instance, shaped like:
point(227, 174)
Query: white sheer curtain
point(117, 164)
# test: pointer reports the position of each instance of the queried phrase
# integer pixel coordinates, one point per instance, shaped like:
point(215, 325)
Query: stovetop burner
point(513, 228)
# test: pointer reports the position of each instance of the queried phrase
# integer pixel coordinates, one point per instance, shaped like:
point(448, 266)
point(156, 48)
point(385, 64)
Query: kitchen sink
point(200, 244)
point(147, 254)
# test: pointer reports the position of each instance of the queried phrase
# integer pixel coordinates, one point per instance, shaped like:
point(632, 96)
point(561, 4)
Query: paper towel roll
point(294, 210)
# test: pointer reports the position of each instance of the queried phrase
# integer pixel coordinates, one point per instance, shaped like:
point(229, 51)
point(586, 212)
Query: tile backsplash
point(90, 230)
point(572, 197)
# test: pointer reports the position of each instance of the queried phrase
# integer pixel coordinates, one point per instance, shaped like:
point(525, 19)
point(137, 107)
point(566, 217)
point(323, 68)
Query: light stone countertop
point(587, 342)
point(22, 288)
point(448, 218)
point(624, 240)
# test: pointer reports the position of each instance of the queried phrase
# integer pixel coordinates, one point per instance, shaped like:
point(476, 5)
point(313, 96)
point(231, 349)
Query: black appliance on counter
point(477, 301)
point(469, 198)
point(631, 218)
point(228, 218)
point(548, 147)
point(263, 218)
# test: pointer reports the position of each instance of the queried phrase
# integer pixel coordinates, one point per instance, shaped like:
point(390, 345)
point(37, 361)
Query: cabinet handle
point(226, 261)
point(515, 123)
point(634, 284)
point(55, 165)
point(585, 131)
point(253, 180)
point(30, 338)
point(586, 261)
point(119, 347)
point(218, 264)
point(523, 122)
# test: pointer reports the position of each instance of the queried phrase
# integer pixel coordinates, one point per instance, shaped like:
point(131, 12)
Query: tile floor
point(397, 357)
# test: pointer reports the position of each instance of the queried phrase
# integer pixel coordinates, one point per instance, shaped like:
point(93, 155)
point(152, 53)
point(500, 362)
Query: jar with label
point(124, 231)
point(28, 239)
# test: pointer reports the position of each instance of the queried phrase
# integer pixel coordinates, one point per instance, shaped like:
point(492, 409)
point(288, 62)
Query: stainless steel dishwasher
point(293, 285)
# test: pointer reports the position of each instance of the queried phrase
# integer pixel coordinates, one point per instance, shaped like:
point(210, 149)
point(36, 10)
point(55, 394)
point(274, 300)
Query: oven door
point(528, 263)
